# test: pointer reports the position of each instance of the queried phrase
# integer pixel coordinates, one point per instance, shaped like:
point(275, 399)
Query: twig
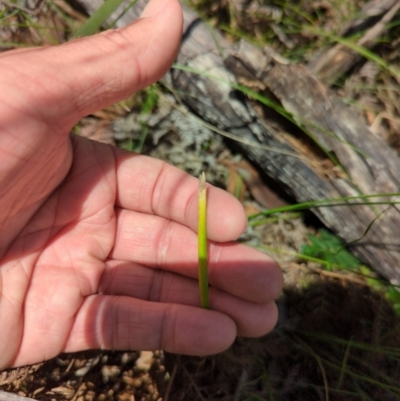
point(170, 382)
point(339, 276)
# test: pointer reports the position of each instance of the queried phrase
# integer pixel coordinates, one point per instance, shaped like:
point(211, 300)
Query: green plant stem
point(202, 244)
point(330, 203)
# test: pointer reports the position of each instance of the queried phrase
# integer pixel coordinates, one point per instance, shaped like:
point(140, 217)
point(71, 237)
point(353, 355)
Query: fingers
point(119, 322)
point(130, 279)
point(63, 83)
point(160, 243)
point(151, 186)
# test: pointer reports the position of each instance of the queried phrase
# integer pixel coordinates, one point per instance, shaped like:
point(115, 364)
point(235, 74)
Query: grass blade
point(94, 23)
point(202, 243)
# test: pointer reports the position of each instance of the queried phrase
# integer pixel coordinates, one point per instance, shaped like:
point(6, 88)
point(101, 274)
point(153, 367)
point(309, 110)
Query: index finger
point(154, 187)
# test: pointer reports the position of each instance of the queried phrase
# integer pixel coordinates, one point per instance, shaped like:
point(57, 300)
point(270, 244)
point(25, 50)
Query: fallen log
point(322, 150)
point(336, 61)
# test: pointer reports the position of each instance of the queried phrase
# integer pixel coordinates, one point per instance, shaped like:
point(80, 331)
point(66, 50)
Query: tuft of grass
point(147, 102)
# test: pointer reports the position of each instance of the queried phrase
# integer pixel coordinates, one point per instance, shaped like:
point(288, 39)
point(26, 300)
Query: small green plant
point(393, 296)
point(331, 251)
point(148, 104)
point(151, 99)
point(329, 247)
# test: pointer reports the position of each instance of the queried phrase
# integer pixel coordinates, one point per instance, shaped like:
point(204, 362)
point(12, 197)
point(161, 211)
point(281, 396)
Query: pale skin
point(98, 246)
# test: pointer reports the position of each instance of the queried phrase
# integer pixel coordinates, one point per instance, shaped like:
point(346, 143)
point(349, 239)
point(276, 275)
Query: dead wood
point(303, 169)
point(336, 61)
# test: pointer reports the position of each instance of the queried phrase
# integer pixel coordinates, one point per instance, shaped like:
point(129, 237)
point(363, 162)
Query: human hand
point(98, 246)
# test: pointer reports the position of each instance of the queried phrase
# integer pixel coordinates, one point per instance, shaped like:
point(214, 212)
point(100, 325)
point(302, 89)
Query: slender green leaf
point(97, 19)
point(202, 243)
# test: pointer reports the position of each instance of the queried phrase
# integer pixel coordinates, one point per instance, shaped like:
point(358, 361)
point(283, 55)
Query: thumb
point(61, 84)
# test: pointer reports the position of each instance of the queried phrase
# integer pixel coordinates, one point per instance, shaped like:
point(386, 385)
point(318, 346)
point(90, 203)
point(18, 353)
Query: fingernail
point(153, 7)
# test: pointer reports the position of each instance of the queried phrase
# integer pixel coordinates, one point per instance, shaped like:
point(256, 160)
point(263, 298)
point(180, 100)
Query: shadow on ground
point(333, 341)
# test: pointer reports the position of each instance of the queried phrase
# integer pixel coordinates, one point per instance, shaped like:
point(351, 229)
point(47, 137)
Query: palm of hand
point(60, 254)
point(65, 256)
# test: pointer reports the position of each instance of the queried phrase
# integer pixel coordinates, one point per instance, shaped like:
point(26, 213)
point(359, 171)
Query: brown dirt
point(333, 337)
point(90, 375)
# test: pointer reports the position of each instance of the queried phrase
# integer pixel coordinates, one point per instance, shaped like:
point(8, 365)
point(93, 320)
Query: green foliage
point(332, 254)
point(330, 248)
point(150, 100)
point(393, 296)
point(148, 104)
